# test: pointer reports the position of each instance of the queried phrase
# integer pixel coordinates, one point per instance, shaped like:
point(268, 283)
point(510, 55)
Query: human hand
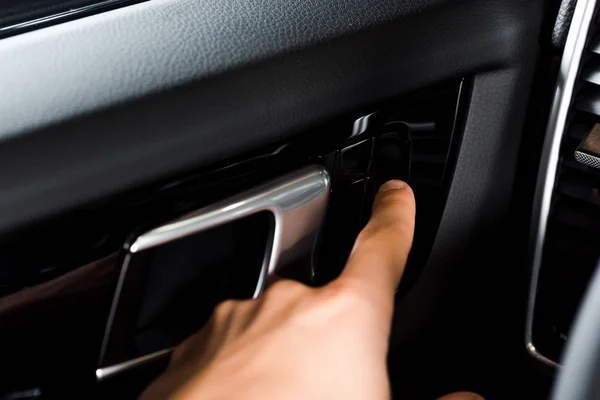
point(296, 342)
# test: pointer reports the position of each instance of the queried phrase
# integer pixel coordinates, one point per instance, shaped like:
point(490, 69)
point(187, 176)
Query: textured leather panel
point(480, 192)
point(112, 57)
point(254, 74)
point(563, 22)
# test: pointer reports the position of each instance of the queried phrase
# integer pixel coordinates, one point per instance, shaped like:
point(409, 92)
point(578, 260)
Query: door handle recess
point(297, 202)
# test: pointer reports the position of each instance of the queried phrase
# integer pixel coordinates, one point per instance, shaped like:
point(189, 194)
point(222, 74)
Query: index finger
point(382, 247)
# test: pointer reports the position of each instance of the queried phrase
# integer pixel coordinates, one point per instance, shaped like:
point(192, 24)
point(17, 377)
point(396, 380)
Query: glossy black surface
point(162, 88)
point(89, 233)
point(410, 139)
point(19, 16)
point(97, 107)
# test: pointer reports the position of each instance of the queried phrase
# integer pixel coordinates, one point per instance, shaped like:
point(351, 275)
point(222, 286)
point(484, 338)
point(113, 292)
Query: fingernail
point(392, 185)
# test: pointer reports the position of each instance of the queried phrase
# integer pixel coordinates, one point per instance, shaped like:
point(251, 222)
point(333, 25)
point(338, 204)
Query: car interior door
point(158, 157)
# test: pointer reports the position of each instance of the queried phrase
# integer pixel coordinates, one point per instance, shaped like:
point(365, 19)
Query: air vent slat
point(570, 240)
point(579, 218)
point(589, 101)
point(580, 187)
point(573, 236)
point(595, 44)
point(570, 145)
point(579, 130)
point(592, 74)
point(570, 163)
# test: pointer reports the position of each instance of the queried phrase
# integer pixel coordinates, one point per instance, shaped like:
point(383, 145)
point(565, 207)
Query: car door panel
point(119, 121)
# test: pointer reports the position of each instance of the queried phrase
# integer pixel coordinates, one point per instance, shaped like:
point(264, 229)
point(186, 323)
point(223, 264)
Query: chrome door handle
point(298, 203)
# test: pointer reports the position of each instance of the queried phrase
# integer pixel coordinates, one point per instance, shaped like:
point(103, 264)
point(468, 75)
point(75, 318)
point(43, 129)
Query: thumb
point(381, 249)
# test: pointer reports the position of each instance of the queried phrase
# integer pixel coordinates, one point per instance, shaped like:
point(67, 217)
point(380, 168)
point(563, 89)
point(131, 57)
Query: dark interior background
point(98, 107)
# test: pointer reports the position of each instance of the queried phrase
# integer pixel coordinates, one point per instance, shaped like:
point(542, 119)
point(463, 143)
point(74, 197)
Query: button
point(341, 228)
point(355, 159)
point(328, 162)
point(391, 158)
point(368, 197)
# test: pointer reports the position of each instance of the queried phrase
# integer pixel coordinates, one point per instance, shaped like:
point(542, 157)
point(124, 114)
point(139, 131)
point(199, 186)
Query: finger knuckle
point(343, 295)
point(178, 354)
point(225, 308)
point(285, 289)
point(367, 234)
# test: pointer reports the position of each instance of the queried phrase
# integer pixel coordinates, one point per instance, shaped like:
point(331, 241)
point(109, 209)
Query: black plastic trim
point(55, 14)
point(255, 75)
